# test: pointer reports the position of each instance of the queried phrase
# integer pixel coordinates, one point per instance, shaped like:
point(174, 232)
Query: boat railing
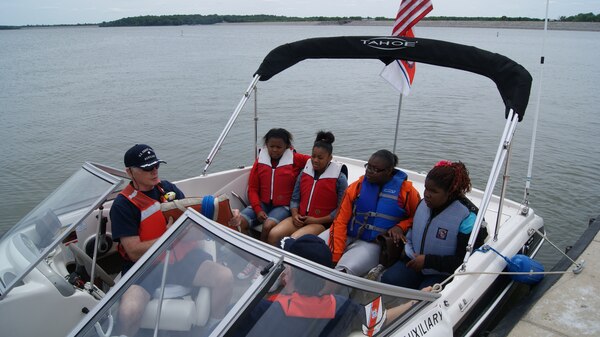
point(230, 122)
point(501, 156)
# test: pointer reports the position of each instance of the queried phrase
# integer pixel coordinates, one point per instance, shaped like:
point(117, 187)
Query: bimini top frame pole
point(229, 124)
point(503, 147)
point(512, 80)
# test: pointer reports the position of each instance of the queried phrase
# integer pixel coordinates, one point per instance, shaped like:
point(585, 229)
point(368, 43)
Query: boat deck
point(570, 306)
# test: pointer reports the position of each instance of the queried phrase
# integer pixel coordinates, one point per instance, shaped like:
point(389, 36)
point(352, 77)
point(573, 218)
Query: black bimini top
point(512, 79)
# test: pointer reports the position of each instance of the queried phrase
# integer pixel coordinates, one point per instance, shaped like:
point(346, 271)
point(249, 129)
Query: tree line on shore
point(581, 17)
point(199, 19)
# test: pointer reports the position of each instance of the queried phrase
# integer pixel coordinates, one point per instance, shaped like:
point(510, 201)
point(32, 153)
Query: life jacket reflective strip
point(152, 222)
point(318, 197)
point(377, 210)
point(276, 183)
point(296, 305)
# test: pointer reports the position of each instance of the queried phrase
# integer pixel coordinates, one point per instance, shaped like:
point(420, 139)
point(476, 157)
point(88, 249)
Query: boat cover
point(512, 79)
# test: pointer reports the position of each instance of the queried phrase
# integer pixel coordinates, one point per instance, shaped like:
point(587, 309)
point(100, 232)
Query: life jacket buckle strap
point(384, 216)
point(375, 228)
point(388, 196)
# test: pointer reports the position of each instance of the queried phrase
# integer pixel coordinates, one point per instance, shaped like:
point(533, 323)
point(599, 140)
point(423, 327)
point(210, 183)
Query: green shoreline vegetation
point(199, 19)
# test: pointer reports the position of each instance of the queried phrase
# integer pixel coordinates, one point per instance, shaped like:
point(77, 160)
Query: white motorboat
point(47, 257)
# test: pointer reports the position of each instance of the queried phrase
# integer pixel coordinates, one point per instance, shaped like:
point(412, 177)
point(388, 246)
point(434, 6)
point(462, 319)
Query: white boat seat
point(179, 310)
point(178, 313)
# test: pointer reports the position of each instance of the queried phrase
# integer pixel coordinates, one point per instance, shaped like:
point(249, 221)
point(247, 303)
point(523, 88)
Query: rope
point(578, 267)
point(439, 286)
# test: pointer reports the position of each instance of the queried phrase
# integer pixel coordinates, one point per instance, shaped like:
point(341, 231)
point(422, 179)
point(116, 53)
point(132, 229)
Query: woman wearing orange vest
point(381, 201)
point(137, 222)
point(317, 194)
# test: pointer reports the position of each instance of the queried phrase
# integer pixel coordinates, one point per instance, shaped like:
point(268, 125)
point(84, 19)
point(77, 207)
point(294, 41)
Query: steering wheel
point(87, 261)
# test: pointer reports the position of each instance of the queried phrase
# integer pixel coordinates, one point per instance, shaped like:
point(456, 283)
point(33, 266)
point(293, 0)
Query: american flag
point(401, 73)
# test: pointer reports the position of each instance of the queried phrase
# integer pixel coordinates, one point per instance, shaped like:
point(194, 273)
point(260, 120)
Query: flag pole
point(397, 123)
point(409, 13)
point(535, 118)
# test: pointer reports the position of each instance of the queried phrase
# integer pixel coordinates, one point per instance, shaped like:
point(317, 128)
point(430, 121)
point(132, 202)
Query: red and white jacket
point(274, 184)
point(318, 197)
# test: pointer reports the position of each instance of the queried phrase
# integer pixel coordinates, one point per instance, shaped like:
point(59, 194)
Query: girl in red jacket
point(271, 184)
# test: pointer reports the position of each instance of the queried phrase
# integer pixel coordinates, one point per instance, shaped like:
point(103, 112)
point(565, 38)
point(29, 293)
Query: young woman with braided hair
point(436, 244)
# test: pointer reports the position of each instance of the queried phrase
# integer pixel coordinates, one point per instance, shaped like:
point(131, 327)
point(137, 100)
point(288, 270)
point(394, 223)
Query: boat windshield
point(36, 235)
point(303, 303)
point(287, 295)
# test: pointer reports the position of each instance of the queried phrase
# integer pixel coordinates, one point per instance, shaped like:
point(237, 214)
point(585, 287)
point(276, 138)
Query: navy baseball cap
point(310, 247)
point(142, 156)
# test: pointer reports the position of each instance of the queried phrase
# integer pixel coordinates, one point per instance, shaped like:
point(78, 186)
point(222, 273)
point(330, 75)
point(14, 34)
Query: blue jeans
point(276, 214)
point(400, 275)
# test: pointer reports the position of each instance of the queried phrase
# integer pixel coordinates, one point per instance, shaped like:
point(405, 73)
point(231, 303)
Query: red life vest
point(276, 183)
point(318, 197)
point(152, 222)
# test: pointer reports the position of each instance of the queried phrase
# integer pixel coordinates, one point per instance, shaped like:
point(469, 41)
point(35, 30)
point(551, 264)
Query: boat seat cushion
point(178, 314)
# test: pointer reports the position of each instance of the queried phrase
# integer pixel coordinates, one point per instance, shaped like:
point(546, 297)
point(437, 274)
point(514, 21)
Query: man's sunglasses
point(151, 168)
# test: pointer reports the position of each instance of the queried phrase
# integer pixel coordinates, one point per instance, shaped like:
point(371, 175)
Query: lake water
point(69, 95)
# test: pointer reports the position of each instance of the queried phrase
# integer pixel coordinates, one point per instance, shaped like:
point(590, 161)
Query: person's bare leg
point(314, 229)
point(220, 281)
point(284, 228)
point(244, 225)
point(268, 225)
point(131, 309)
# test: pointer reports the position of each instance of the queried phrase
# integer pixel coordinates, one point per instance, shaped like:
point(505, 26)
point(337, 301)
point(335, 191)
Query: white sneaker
point(375, 273)
point(249, 270)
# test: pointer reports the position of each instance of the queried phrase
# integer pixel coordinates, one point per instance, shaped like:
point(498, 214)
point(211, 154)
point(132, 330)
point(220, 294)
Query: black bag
point(390, 251)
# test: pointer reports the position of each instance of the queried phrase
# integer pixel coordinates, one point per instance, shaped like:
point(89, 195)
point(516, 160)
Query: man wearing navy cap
point(137, 222)
point(134, 234)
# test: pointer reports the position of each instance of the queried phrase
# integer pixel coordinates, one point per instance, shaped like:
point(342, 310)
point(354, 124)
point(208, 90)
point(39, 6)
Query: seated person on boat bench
point(136, 234)
point(436, 244)
point(381, 201)
point(303, 307)
point(270, 187)
point(317, 194)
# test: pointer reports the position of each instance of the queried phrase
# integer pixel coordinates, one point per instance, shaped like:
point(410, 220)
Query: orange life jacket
point(296, 305)
point(152, 222)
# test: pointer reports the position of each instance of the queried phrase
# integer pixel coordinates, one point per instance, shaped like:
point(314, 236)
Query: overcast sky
point(34, 12)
